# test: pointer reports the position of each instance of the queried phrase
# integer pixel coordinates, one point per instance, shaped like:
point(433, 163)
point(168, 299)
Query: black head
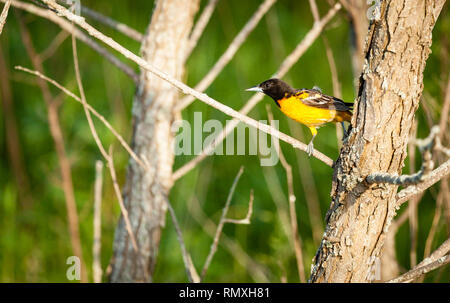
point(274, 88)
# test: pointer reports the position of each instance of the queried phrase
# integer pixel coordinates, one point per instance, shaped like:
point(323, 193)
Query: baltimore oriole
point(307, 106)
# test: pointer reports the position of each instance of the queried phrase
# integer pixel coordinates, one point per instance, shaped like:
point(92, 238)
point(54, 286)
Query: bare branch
point(441, 251)
point(420, 271)
point(120, 27)
point(222, 222)
point(96, 247)
point(123, 209)
point(67, 26)
point(435, 176)
point(4, 15)
point(229, 53)
point(90, 108)
point(200, 26)
point(256, 270)
point(426, 147)
point(53, 46)
point(83, 98)
point(285, 66)
point(247, 218)
point(437, 215)
point(438, 258)
point(314, 10)
point(189, 265)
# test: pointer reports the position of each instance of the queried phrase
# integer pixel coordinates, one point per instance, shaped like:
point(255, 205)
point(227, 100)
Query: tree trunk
point(145, 191)
point(390, 89)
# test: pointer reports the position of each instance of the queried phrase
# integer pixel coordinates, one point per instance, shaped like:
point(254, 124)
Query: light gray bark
point(390, 89)
point(164, 46)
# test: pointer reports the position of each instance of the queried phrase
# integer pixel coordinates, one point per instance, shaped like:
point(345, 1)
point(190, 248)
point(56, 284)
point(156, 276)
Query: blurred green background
point(34, 236)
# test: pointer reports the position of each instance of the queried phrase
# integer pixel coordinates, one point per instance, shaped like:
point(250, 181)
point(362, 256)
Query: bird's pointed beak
point(254, 89)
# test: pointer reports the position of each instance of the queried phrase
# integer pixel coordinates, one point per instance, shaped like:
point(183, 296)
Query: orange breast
point(295, 109)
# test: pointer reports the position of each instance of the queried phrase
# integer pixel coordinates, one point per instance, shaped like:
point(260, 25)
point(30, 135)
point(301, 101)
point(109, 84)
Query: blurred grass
point(34, 241)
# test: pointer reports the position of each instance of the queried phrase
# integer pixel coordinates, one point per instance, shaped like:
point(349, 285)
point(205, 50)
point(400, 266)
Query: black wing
point(315, 98)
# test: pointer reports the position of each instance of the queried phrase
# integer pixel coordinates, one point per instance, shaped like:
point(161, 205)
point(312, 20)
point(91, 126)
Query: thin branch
point(256, 270)
point(54, 45)
point(91, 109)
point(67, 26)
point(228, 54)
point(247, 218)
point(96, 247)
point(441, 251)
point(438, 258)
point(120, 27)
point(200, 26)
point(437, 215)
point(420, 271)
point(189, 265)
point(435, 176)
point(222, 222)
point(426, 147)
point(83, 98)
point(292, 209)
point(314, 10)
point(285, 66)
point(123, 209)
point(4, 15)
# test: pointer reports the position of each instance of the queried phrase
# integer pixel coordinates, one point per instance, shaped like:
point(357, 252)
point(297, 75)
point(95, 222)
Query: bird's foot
point(310, 149)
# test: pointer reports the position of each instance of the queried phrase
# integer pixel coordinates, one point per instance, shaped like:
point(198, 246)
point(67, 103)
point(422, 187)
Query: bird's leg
point(310, 148)
point(343, 128)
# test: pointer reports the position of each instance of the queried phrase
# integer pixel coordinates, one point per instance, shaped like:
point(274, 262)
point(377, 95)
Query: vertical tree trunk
point(390, 89)
point(145, 191)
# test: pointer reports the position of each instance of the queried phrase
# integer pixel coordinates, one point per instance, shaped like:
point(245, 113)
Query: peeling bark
point(391, 84)
point(164, 46)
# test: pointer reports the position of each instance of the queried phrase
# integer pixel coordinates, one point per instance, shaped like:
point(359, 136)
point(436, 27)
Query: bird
point(310, 107)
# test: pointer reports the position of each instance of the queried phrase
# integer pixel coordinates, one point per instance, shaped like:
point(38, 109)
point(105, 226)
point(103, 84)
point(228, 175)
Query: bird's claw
point(310, 149)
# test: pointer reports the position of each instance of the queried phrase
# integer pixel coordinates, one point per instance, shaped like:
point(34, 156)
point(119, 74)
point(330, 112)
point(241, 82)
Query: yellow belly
point(308, 115)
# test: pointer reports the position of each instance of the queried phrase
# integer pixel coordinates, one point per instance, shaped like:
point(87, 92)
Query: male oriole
point(307, 106)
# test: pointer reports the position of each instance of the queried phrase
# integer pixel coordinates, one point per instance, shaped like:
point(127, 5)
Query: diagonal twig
point(222, 222)
point(421, 270)
point(90, 108)
point(67, 26)
point(4, 15)
point(120, 27)
point(228, 54)
point(200, 26)
point(438, 258)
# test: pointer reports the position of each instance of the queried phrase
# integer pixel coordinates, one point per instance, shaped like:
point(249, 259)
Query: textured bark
point(390, 89)
point(145, 191)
